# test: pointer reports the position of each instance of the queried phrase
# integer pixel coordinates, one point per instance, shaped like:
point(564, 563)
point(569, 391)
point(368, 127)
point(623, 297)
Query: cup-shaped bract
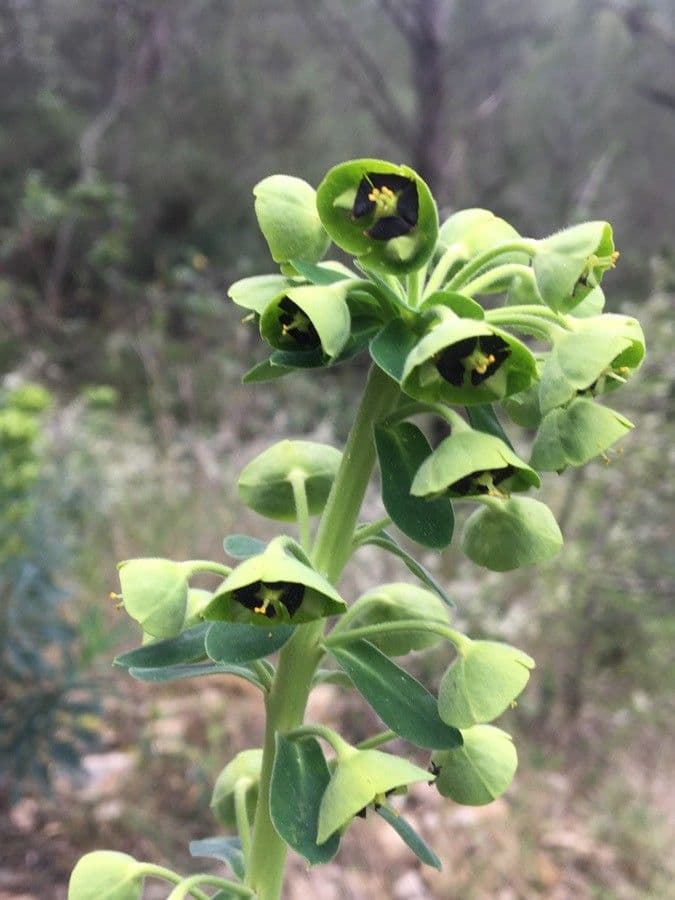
point(568, 265)
point(266, 483)
point(155, 594)
point(309, 319)
point(277, 586)
point(597, 357)
point(575, 434)
point(106, 875)
point(467, 361)
point(286, 210)
point(508, 534)
point(380, 212)
point(243, 770)
point(393, 603)
point(480, 770)
point(198, 600)
point(472, 463)
point(482, 682)
point(359, 779)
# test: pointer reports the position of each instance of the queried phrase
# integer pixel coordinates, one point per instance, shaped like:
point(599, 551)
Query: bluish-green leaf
point(225, 849)
point(195, 670)
point(418, 846)
point(241, 546)
point(483, 418)
point(233, 642)
point(299, 780)
point(387, 542)
point(401, 450)
point(187, 647)
point(390, 348)
point(321, 273)
point(403, 704)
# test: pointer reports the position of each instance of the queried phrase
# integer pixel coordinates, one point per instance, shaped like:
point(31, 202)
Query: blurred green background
point(131, 135)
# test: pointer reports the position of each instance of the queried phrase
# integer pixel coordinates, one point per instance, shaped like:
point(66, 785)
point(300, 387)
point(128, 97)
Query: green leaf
point(391, 346)
point(401, 450)
point(195, 670)
point(266, 483)
point(386, 542)
point(231, 642)
point(418, 846)
point(403, 704)
point(484, 418)
point(226, 849)
point(299, 780)
point(480, 770)
point(267, 370)
point(186, 647)
point(482, 682)
point(241, 546)
point(511, 533)
point(106, 875)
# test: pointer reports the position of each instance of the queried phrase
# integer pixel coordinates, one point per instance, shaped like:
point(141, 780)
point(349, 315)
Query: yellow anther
point(615, 255)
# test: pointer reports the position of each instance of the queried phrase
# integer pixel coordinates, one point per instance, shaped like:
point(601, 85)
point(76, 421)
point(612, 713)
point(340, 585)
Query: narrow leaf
point(483, 418)
point(403, 704)
point(299, 780)
point(241, 546)
point(418, 846)
point(225, 849)
point(386, 542)
point(390, 347)
point(197, 670)
point(186, 647)
point(401, 450)
point(232, 642)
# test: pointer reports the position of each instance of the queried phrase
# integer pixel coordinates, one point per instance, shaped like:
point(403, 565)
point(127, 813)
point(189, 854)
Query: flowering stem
point(487, 279)
point(479, 262)
point(298, 483)
point(377, 740)
point(298, 659)
point(336, 638)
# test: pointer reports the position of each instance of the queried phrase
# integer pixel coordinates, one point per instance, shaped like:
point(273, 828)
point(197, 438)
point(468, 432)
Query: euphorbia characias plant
point(467, 322)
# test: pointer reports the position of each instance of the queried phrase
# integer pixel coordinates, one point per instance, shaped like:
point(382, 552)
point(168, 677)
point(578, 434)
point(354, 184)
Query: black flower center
point(296, 326)
point(264, 597)
point(389, 202)
point(480, 357)
point(482, 482)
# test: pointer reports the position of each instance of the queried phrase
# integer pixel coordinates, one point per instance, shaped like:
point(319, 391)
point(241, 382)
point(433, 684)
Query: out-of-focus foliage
point(134, 133)
point(46, 717)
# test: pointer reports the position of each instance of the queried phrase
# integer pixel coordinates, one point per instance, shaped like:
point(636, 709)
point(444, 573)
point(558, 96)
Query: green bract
point(575, 434)
point(394, 602)
point(155, 594)
point(106, 875)
point(286, 211)
point(507, 534)
point(570, 264)
point(242, 773)
point(309, 319)
point(596, 357)
point(266, 483)
point(482, 682)
point(382, 213)
point(362, 778)
point(471, 464)
point(480, 770)
point(274, 587)
point(466, 361)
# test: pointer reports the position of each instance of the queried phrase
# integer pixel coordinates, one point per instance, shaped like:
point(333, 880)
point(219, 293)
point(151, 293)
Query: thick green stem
point(286, 701)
